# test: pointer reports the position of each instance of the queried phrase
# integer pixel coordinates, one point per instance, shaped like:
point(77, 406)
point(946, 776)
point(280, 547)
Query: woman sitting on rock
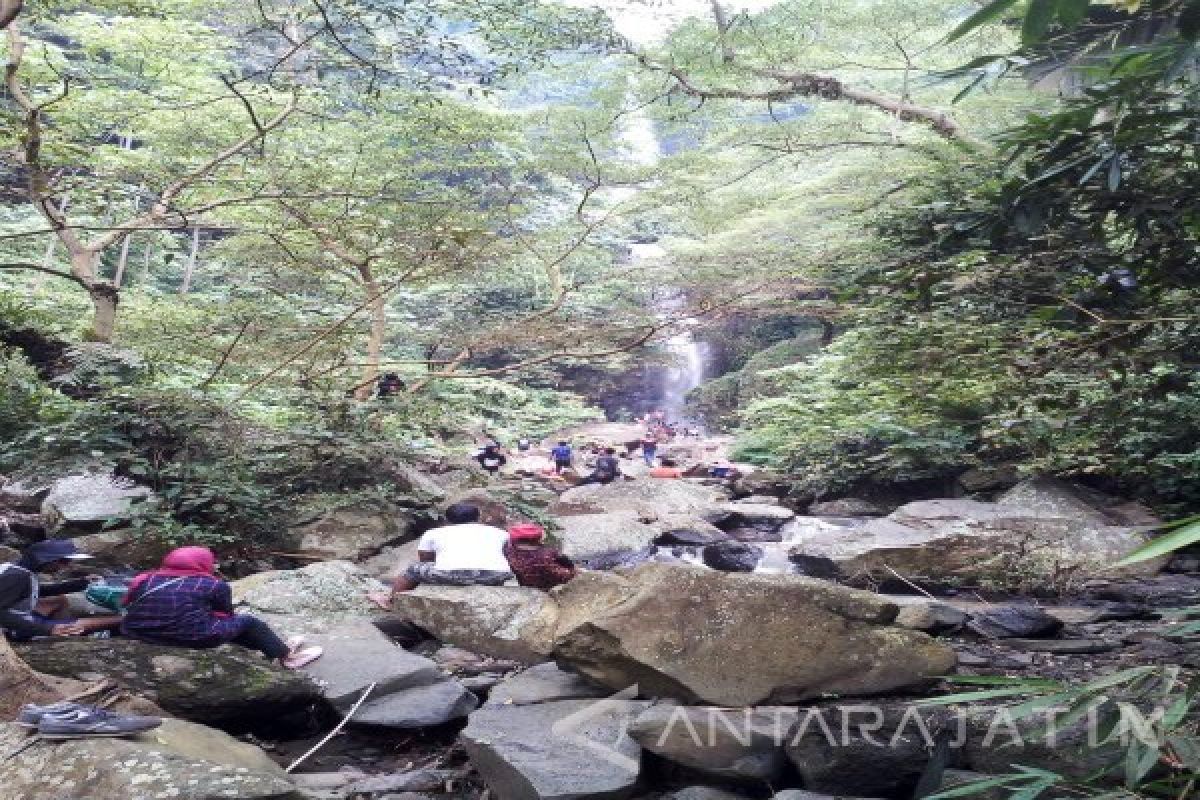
point(533, 563)
point(183, 603)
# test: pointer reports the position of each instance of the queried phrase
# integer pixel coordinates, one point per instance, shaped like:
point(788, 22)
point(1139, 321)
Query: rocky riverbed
point(715, 619)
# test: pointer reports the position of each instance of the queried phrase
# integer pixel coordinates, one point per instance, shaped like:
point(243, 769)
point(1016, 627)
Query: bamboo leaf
point(983, 16)
point(1189, 534)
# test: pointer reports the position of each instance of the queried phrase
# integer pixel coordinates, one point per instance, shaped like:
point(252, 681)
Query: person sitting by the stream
point(562, 455)
point(666, 469)
point(30, 608)
point(390, 384)
point(607, 468)
point(649, 448)
point(463, 552)
point(184, 603)
point(722, 469)
point(491, 459)
point(532, 562)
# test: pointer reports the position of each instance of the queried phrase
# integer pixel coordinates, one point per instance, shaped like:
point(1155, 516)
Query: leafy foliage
point(1148, 715)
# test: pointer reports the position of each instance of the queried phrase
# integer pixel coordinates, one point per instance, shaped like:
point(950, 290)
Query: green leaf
point(983, 16)
point(1004, 680)
point(1189, 534)
point(975, 787)
point(971, 697)
point(1037, 21)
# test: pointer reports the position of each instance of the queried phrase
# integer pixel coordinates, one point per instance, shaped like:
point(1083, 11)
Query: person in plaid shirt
point(533, 563)
point(183, 603)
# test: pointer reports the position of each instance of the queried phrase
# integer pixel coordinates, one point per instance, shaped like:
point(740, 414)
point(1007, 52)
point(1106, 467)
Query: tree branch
point(58, 273)
point(790, 85)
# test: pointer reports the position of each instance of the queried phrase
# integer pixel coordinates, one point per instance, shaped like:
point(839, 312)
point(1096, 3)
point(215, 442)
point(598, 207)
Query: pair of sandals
point(300, 655)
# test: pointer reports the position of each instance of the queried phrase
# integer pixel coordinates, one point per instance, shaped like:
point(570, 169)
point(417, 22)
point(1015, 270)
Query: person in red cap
point(533, 563)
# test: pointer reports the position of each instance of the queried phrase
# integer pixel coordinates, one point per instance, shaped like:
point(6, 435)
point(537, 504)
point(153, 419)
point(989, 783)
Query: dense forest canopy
point(914, 238)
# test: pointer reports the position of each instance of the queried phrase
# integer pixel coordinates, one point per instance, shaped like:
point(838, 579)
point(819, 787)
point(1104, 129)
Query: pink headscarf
point(526, 532)
point(182, 562)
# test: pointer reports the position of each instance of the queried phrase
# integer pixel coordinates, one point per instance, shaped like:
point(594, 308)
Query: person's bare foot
point(381, 599)
point(299, 658)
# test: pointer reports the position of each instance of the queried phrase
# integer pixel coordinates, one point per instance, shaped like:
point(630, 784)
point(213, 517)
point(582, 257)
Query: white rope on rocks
point(335, 731)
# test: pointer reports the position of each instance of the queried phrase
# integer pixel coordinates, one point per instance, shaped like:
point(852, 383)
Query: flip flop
point(303, 657)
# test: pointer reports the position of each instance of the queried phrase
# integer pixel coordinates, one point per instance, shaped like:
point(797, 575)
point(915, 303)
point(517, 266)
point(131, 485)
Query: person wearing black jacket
point(29, 608)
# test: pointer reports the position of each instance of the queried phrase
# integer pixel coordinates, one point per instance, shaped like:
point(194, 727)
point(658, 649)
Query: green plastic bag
point(105, 596)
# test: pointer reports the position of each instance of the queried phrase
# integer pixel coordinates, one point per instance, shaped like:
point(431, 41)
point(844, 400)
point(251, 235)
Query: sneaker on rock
point(85, 722)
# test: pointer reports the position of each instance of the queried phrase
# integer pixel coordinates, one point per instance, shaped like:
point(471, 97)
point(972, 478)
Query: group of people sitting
point(185, 602)
point(182, 603)
point(466, 552)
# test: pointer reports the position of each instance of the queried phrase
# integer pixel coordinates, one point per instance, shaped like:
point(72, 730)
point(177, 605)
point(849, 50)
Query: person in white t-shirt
point(464, 552)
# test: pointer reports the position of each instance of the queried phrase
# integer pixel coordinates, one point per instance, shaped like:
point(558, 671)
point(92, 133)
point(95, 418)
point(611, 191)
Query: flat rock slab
point(544, 683)
point(744, 745)
point(566, 750)
point(419, 707)
point(179, 761)
point(358, 655)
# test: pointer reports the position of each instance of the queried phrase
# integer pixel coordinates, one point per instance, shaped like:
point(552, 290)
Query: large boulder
point(82, 503)
point(958, 540)
point(732, 556)
point(1057, 498)
point(228, 686)
point(501, 621)
point(849, 507)
point(311, 596)
point(648, 498)
point(583, 536)
point(1014, 622)
point(744, 745)
point(351, 534)
point(762, 482)
point(742, 514)
point(178, 760)
point(737, 639)
point(564, 750)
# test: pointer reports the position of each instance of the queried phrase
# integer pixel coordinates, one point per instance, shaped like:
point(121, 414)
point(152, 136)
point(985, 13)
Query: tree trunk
point(190, 267)
point(105, 296)
point(19, 684)
point(378, 307)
